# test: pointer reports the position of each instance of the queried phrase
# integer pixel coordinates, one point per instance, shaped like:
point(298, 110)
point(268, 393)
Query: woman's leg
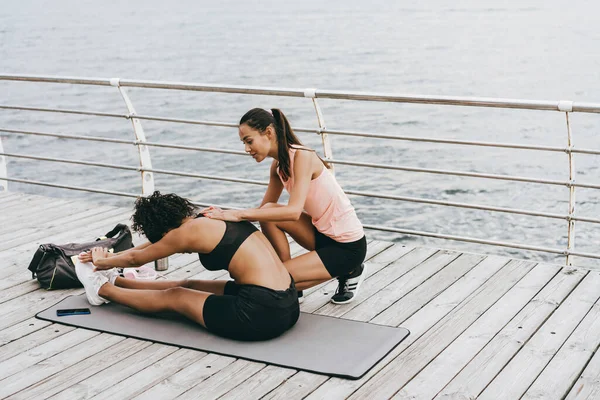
point(307, 270)
point(302, 231)
point(187, 302)
point(211, 286)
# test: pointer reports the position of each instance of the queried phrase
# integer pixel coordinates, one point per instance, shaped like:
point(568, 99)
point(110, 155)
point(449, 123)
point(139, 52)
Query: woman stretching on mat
point(318, 216)
point(260, 303)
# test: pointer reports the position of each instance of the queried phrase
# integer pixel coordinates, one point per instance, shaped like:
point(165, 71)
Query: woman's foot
point(348, 286)
point(91, 281)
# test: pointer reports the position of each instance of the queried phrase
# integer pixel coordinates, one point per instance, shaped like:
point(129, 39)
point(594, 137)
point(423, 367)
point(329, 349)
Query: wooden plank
point(39, 353)
point(482, 369)
point(390, 289)
point(121, 370)
point(397, 267)
point(394, 375)
point(567, 365)
point(223, 381)
point(259, 384)
point(106, 354)
point(190, 376)
point(18, 290)
point(429, 381)
point(40, 235)
point(523, 369)
point(10, 196)
point(57, 222)
point(84, 230)
point(29, 223)
point(297, 387)
point(55, 364)
point(419, 323)
point(35, 339)
point(21, 204)
point(588, 384)
point(151, 375)
point(322, 293)
point(21, 308)
point(21, 255)
point(21, 329)
point(418, 298)
point(25, 215)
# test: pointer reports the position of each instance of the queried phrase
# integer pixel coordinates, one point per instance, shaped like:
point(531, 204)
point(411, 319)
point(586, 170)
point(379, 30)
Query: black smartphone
point(72, 311)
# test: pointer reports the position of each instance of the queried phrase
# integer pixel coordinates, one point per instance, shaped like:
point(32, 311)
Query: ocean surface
point(514, 49)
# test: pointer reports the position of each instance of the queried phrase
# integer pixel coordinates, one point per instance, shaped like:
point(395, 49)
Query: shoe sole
point(360, 281)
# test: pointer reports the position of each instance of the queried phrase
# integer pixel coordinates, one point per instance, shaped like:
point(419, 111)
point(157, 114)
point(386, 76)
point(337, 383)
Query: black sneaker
point(348, 286)
point(300, 297)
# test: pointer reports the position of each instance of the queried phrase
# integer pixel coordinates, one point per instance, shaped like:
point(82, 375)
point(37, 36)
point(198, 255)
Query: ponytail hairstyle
point(260, 119)
point(157, 214)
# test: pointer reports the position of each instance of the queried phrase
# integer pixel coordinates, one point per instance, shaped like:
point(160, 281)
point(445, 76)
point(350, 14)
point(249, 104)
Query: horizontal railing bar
point(468, 205)
point(373, 227)
point(542, 105)
point(285, 92)
point(64, 111)
point(580, 254)
point(70, 161)
point(479, 241)
point(211, 177)
point(461, 142)
point(186, 121)
point(358, 134)
point(468, 174)
point(137, 169)
point(84, 189)
point(583, 219)
point(55, 79)
point(545, 105)
point(206, 149)
point(309, 130)
point(74, 137)
point(351, 192)
point(121, 141)
point(79, 188)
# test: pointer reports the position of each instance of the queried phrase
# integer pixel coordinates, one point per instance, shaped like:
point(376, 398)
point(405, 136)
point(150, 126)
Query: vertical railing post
point(567, 107)
point(144, 156)
point(312, 94)
point(3, 170)
point(140, 136)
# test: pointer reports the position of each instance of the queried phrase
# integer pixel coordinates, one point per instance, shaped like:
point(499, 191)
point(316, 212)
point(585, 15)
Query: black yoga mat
point(320, 344)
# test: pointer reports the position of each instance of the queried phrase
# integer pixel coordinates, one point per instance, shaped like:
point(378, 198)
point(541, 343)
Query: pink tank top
point(327, 204)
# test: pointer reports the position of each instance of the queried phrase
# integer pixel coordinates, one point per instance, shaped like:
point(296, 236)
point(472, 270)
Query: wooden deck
point(481, 326)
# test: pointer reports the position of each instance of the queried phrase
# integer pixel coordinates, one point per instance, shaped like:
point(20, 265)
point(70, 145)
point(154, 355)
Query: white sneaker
point(349, 285)
point(91, 281)
point(110, 274)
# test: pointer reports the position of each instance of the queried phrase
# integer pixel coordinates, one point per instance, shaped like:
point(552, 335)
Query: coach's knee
point(271, 205)
point(264, 225)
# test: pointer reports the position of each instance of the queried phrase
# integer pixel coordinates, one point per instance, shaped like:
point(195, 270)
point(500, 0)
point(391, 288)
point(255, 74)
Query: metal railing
point(147, 172)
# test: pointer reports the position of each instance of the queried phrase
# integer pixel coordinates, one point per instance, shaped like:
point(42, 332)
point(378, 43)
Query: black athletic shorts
point(340, 258)
point(251, 312)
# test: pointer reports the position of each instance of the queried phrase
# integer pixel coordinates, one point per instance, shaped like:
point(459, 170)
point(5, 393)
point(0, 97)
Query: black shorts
point(340, 258)
point(251, 312)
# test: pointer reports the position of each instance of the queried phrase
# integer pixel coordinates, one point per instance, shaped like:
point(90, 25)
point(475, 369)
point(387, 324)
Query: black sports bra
point(235, 234)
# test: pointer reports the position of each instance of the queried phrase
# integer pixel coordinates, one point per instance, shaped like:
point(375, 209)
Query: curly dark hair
point(157, 214)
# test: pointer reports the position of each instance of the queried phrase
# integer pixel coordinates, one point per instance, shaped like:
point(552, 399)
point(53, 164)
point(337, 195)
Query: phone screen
point(72, 311)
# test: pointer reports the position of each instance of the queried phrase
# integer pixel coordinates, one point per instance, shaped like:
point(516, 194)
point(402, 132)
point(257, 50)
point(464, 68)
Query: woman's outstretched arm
point(173, 242)
point(290, 212)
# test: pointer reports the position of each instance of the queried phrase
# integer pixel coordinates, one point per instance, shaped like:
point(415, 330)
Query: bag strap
point(115, 230)
point(37, 257)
